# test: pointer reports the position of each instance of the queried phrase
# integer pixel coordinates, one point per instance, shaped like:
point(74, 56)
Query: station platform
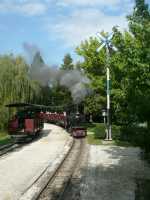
point(21, 168)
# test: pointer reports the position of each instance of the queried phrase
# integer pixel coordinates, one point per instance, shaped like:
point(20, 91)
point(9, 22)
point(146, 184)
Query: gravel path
point(112, 173)
point(19, 169)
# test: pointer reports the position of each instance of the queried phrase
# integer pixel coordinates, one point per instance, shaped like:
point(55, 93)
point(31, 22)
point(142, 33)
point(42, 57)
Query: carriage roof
point(24, 105)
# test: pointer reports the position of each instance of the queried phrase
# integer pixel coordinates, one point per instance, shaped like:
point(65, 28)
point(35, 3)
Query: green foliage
point(15, 84)
point(59, 96)
point(138, 136)
point(94, 67)
point(93, 61)
point(94, 104)
point(99, 131)
point(134, 74)
point(139, 24)
point(67, 62)
point(96, 133)
point(4, 138)
point(93, 141)
point(130, 70)
point(130, 75)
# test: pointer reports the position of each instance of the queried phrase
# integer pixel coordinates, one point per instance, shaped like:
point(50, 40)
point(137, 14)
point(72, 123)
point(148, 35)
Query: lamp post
point(106, 42)
point(104, 114)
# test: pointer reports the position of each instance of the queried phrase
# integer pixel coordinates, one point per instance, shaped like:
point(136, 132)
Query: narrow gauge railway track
point(15, 145)
point(76, 184)
point(62, 176)
point(7, 148)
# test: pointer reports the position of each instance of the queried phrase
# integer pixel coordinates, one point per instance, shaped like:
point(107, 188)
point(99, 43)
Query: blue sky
point(56, 27)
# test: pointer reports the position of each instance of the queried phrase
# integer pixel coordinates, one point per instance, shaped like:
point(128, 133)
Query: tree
point(139, 93)
point(94, 67)
point(130, 68)
point(15, 84)
point(67, 62)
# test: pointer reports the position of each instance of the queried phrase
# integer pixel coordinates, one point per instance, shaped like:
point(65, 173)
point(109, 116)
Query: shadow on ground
point(121, 175)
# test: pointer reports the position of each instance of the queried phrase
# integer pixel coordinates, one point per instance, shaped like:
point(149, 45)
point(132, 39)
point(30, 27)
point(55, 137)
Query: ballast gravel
point(112, 172)
point(19, 169)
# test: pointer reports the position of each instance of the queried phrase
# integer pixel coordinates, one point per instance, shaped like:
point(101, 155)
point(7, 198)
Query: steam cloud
point(30, 50)
point(75, 80)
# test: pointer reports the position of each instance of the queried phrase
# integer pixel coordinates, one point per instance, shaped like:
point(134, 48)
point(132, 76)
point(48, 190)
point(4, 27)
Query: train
point(25, 122)
point(76, 125)
point(28, 121)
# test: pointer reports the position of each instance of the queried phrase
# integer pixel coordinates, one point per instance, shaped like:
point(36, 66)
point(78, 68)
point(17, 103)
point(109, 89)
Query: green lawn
point(93, 140)
point(96, 133)
point(92, 131)
point(4, 138)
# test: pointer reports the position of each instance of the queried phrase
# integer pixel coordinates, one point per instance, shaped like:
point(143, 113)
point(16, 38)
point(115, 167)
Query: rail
point(58, 183)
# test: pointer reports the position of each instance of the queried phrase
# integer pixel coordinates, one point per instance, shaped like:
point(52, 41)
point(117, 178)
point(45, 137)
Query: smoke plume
point(30, 50)
point(75, 80)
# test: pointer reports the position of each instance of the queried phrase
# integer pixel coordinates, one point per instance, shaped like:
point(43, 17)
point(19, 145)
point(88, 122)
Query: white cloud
point(25, 7)
point(93, 2)
point(84, 23)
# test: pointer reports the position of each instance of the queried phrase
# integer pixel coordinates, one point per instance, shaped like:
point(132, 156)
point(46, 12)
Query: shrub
point(138, 136)
point(100, 131)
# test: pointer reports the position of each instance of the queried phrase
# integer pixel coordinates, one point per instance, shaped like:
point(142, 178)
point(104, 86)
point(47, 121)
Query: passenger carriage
point(29, 120)
point(25, 123)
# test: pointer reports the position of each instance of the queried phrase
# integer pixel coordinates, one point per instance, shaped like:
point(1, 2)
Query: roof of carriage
point(25, 105)
point(32, 106)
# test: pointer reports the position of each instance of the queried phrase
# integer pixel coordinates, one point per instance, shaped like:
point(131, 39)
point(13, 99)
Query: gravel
point(112, 172)
point(19, 169)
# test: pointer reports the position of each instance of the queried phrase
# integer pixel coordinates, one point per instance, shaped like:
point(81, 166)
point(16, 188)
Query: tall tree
point(15, 84)
point(94, 66)
point(139, 89)
point(130, 68)
point(67, 62)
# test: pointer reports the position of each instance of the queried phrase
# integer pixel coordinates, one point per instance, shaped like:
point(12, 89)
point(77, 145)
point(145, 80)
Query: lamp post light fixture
point(106, 42)
point(104, 114)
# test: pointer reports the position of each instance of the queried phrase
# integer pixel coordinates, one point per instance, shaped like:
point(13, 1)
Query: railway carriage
point(29, 121)
point(25, 123)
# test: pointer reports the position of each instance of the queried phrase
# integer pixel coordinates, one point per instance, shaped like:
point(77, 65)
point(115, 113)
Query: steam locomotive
point(75, 125)
point(29, 121)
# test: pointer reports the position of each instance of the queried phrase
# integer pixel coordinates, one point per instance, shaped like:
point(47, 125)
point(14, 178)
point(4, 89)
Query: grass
point(96, 133)
point(4, 138)
point(93, 131)
point(92, 140)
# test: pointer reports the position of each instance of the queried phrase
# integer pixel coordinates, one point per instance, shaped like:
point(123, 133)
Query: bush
point(116, 133)
point(100, 131)
point(138, 136)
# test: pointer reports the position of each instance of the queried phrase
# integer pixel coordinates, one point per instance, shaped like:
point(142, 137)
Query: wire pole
point(106, 42)
point(108, 132)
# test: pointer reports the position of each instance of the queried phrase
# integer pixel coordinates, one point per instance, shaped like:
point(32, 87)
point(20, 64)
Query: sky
point(57, 27)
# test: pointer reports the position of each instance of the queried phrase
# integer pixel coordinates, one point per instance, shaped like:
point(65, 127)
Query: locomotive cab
point(77, 128)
